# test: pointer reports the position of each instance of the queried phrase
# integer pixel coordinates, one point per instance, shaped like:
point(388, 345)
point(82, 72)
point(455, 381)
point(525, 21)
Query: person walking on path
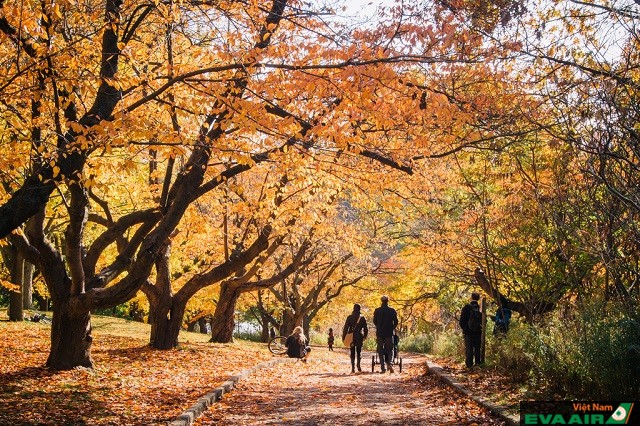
point(385, 319)
point(296, 345)
point(356, 323)
point(471, 324)
point(331, 339)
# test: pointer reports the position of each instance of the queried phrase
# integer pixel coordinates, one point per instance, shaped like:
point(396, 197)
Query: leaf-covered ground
point(491, 385)
point(131, 384)
point(324, 392)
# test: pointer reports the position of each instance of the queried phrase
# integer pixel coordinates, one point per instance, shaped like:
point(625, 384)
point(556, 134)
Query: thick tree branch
point(38, 186)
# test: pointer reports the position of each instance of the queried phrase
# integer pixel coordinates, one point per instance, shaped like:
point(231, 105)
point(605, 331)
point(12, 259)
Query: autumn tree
point(299, 203)
point(341, 255)
point(76, 294)
point(547, 213)
point(192, 95)
point(253, 242)
point(591, 89)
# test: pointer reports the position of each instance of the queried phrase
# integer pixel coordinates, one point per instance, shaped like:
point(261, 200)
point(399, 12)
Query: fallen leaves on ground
point(131, 384)
point(486, 382)
point(324, 392)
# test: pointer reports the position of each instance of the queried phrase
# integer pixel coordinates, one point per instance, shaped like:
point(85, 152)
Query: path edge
point(510, 419)
point(188, 417)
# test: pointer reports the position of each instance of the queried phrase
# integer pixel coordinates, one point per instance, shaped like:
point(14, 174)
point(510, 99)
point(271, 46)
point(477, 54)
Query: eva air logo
point(621, 415)
point(578, 413)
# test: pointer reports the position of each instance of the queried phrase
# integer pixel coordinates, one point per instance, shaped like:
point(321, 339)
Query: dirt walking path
point(324, 392)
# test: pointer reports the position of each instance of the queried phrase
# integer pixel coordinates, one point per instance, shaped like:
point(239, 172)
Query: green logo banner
point(580, 413)
point(621, 414)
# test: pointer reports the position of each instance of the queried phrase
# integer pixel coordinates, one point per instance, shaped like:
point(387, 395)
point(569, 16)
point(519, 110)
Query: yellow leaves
point(113, 82)
point(9, 286)
point(76, 127)
point(88, 183)
point(128, 165)
point(56, 11)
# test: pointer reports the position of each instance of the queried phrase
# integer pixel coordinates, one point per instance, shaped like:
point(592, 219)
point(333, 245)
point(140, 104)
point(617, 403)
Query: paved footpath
point(324, 392)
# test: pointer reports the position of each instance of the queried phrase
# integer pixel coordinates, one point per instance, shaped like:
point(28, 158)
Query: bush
point(508, 354)
point(597, 358)
point(251, 337)
point(320, 339)
point(591, 356)
point(4, 297)
point(449, 344)
point(119, 311)
point(422, 343)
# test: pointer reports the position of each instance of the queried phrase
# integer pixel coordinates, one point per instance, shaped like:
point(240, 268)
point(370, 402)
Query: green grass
point(114, 326)
point(137, 330)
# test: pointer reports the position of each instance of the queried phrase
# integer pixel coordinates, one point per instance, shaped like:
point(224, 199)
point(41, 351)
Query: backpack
point(475, 319)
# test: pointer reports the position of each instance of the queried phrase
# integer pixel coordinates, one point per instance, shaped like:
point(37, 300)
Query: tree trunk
point(300, 320)
point(223, 318)
point(288, 322)
point(27, 286)
point(70, 338)
point(166, 312)
point(305, 323)
point(16, 312)
point(264, 321)
point(166, 323)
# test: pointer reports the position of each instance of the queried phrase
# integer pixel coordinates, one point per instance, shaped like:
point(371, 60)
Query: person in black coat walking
point(472, 338)
point(356, 323)
point(385, 319)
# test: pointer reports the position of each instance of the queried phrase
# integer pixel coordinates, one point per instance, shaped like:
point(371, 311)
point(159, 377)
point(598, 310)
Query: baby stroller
point(396, 359)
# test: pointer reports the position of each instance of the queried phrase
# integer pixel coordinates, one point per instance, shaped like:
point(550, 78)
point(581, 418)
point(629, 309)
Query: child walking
point(331, 339)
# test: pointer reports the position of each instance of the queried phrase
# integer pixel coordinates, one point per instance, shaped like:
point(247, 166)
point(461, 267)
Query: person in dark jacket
point(331, 339)
point(296, 345)
point(385, 319)
point(502, 318)
point(356, 323)
point(472, 338)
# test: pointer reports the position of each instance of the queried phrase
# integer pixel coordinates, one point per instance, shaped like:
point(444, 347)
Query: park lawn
point(131, 383)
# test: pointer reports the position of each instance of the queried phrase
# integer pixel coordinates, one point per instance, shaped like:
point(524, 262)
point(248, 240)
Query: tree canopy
point(196, 151)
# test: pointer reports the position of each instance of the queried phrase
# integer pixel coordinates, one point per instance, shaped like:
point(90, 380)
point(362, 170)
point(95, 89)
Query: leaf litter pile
point(131, 384)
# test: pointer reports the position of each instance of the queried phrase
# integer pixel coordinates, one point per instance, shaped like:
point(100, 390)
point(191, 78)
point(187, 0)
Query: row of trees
point(548, 217)
point(118, 128)
point(199, 151)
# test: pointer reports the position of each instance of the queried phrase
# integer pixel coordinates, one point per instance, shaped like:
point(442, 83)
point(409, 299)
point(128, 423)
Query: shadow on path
point(324, 392)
